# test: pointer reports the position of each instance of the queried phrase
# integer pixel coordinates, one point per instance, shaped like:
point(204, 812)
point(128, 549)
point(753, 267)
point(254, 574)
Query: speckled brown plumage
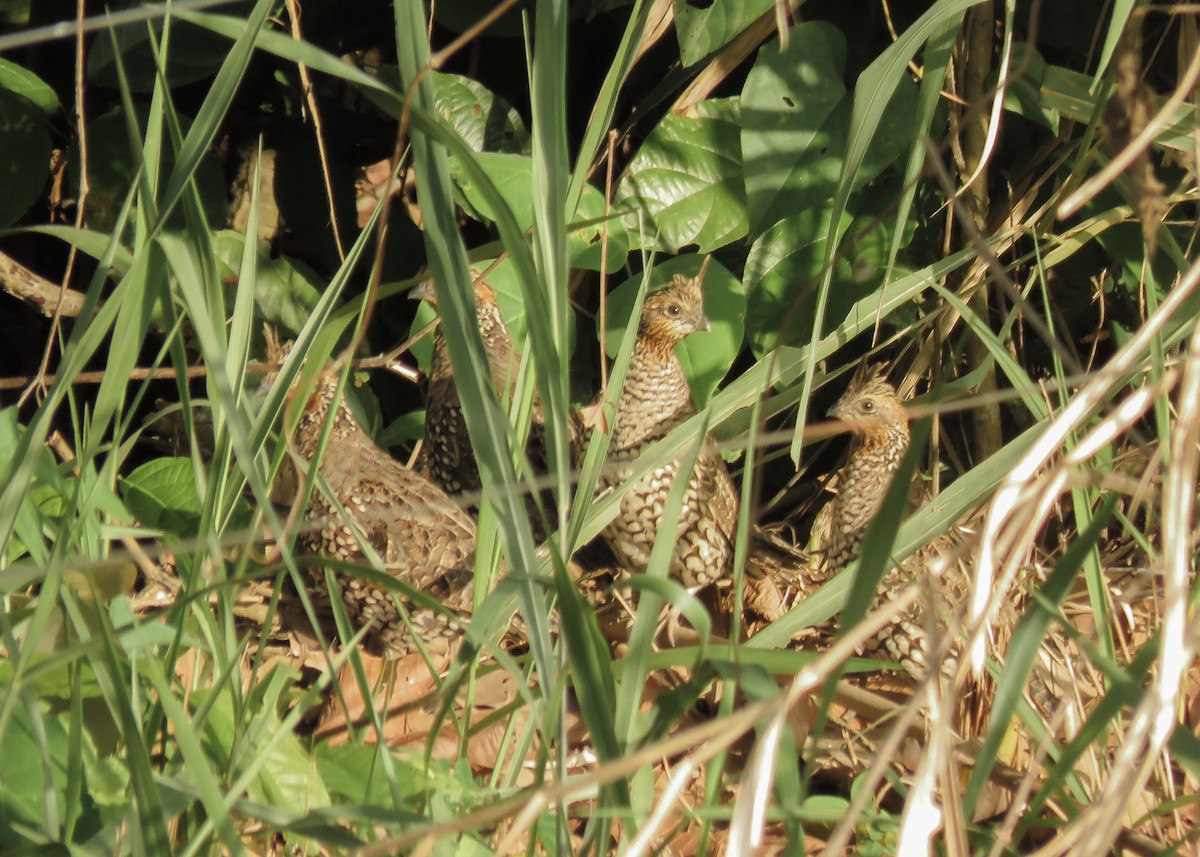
point(880, 440)
point(422, 536)
point(654, 400)
point(447, 456)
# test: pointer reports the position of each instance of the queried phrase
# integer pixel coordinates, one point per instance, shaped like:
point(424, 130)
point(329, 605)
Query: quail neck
point(316, 412)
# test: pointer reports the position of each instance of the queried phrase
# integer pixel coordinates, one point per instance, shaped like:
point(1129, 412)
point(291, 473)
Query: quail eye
point(673, 310)
point(868, 406)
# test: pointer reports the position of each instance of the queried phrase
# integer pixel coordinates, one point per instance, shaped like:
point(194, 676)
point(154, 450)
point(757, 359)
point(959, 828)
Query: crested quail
point(880, 440)
point(655, 399)
point(421, 535)
point(447, 455)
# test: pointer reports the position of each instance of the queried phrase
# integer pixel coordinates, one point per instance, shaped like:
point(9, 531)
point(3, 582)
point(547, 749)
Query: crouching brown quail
point(423, 538)
point(655, 399)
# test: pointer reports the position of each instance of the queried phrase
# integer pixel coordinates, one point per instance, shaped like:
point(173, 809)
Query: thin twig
point(310, 99)
point(38, 386)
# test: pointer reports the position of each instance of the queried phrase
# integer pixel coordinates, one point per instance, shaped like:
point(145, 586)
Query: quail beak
point(423, 292)
point(832, 412)
point(704, 324)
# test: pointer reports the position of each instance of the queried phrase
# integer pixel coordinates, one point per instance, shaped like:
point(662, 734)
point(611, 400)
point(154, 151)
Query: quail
point(447, 456)
point(879, 425)
point(655, 399)
point(422, 536)
point(880, 440)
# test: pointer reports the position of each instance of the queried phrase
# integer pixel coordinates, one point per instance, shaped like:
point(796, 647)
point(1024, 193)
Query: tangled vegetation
point(995, 202)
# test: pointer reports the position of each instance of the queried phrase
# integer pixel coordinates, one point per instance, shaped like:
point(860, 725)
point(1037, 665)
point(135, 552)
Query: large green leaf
point(33, 774)
point(705, 357)
point(485, 122)
point(113, 166)
point(513, 176)
point(194, 55)
point(704, 27)
point(21, 81)
point(285, 290)
point(162, 494)
point(684, 186)
point(784, 268)
point(794, 117)
point(26, 146)
point(796, 121)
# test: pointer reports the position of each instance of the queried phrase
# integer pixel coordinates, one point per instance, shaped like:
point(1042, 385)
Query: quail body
point(654, 400)
point(422, 536)
point(447, 455)
point(879, 443)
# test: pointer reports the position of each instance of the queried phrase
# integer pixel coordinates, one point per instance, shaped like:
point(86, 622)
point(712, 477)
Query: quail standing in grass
point(880, 440)
point(423, 538)
point(655, 399)
point(447, 455)
point(879, 423)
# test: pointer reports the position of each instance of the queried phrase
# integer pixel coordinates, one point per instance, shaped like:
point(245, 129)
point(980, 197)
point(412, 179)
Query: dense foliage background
point(994, 200)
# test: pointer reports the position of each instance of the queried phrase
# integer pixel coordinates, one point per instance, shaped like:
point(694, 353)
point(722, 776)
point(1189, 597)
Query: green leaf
point(705, 357)
point(1023, 95)
point(513, 176)
point(794, 121)
point(486, 122)
point(28, 751)
point(113, 166)
point(684, 186)
point(108, 781)
point(285, 290)
point(784, 268)
point(21, 81)
point(26, 146)
point(703, 28)
point(162, 494)
point(796, 124)
point(194, 55)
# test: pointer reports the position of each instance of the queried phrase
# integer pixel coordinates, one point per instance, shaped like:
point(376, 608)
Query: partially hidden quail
point(880, 440)
point(447, 455)
point(420, 534)
point(654, 400)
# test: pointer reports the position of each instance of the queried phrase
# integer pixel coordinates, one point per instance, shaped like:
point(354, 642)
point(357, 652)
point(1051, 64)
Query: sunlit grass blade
point(486, 421)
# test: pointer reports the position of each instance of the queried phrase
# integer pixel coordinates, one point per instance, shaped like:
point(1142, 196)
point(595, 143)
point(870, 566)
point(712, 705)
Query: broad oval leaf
point(795, 115)
point(195, 54)
point(26, 146)
point(704, 28)
point(684, 186)
point(784, 269)
point(113, 167)
point(486, 122)
point(285, 290)
point(796, 123)
point(21, 81)
point(513, 176)
point(162, 494)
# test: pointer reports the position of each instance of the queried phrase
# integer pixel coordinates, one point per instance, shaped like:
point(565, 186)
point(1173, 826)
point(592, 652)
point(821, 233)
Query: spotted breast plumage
point(422, 536)
point(654, 400)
